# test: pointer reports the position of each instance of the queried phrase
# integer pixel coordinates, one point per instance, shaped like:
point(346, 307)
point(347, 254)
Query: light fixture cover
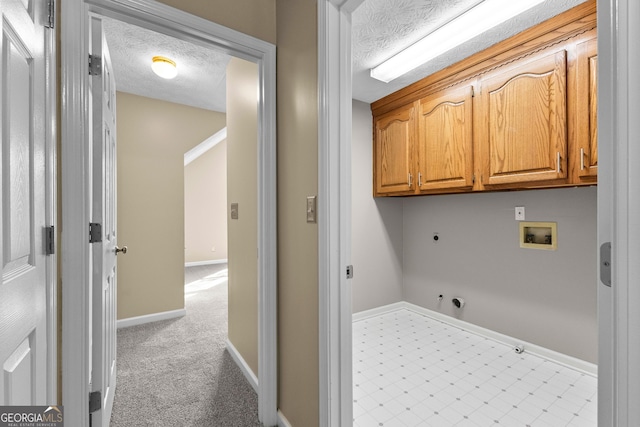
point(473, 22)
point(164, 67)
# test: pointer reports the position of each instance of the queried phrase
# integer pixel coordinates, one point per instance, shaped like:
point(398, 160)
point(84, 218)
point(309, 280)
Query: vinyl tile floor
point(412, 370)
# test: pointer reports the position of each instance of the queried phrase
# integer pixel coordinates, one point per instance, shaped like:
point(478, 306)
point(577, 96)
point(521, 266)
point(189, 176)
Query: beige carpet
point(178, 372)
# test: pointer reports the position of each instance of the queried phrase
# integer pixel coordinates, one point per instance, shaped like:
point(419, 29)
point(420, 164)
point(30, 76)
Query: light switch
point(520, 213)
point(311, 209)
point(234, 211)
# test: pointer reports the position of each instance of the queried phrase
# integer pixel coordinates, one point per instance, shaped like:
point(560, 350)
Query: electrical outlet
point(519, 213)
point(213, 248)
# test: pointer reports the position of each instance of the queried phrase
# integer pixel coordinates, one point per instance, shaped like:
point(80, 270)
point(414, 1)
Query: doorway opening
point(171, 22)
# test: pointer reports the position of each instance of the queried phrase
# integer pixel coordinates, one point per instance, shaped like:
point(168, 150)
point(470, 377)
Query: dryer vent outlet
point(458, 302)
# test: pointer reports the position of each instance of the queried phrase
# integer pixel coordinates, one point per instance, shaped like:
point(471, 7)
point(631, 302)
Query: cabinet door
point(445, 138)
point(587, 110)
point(524, 117)
point(393, 144)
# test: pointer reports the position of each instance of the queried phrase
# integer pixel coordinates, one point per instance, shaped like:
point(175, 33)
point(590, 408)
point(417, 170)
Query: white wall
point(544, 297)
point(376, 228)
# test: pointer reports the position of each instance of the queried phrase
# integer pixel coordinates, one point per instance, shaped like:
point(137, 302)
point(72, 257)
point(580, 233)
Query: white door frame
point(51, 217)
point(76, 188)
point(618, 210)
point(334, 211)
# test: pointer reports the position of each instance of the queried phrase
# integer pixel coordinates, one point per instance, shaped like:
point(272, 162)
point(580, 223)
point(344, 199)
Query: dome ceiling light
point(164, 67)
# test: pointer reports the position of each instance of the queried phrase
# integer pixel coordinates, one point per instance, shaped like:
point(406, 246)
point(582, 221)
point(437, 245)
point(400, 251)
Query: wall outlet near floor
point(519, 213)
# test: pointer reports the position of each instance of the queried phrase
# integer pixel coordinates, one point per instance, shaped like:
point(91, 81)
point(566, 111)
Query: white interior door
point(103, 93)
point(23, 289)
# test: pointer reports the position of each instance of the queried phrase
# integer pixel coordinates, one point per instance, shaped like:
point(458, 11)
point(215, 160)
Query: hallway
point(177, 372)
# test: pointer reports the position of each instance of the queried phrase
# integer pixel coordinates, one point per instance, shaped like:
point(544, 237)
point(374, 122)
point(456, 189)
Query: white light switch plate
point(311, 209)
point(519, 213)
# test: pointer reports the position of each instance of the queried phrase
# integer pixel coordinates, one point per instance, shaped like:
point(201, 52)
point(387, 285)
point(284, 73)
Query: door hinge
point(49, 240)
point(349, 271)
point(50, 22)
point(95, 401)
point(605, 264)
point(95, 65)
point(95, 232)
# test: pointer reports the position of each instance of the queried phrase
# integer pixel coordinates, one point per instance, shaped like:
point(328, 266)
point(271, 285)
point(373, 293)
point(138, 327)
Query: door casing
point(618, 205)
point(76, 185)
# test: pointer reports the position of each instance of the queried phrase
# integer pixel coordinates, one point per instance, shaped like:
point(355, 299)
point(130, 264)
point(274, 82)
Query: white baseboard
point(282, 420)
point(554, 356)
point(148, 318)
point(246, 370)
point(366, 314)
point(209, 262)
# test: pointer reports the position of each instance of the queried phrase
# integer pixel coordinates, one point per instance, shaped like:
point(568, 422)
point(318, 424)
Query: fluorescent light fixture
point(473, 22)
point(164, 67)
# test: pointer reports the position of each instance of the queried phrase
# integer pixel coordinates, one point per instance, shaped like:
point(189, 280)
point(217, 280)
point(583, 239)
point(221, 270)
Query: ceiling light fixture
point(164, 67)
point(473, 22)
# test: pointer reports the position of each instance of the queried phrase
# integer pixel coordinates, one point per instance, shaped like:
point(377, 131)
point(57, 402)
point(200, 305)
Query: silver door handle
point(123, 250)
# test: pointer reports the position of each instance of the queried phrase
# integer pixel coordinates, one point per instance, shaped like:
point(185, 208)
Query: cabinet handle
point(582, 159)
point(558, 162)
point(419, 179)
point(410, 182)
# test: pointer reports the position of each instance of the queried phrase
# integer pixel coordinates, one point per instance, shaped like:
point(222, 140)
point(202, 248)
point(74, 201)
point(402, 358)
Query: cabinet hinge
point(49, 240)
point(95, 65)
point(95, 232)
point(473, 179)
point(349, 271)
point(95, 401)
point(50, 22)
point(473, 92)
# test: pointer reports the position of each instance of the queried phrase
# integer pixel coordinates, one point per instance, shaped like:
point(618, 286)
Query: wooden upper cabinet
point(445, 140)
point(393, 145)
point(523, 110)
point(586, 151)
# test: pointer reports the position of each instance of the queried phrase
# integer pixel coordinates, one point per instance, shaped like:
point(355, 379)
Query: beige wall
point(297, 240)
point(205, 206)
point(253, 17)
point(152, 139)
point(242, 188)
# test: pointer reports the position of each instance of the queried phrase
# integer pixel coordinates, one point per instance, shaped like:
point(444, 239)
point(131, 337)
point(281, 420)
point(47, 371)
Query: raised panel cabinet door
point(393, 145)
point(525, 120)
point(587, 110)
point(445, 140)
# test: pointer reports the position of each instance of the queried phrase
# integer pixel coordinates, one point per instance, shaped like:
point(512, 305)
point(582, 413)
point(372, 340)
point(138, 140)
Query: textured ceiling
point(381, 28)
point(201, 80)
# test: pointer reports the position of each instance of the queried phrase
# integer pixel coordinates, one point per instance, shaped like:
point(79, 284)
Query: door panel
point(525, 120)
point(445, 140)
point(103, 90)
point(23, 289)
point(393, 151)
point(587, 109)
